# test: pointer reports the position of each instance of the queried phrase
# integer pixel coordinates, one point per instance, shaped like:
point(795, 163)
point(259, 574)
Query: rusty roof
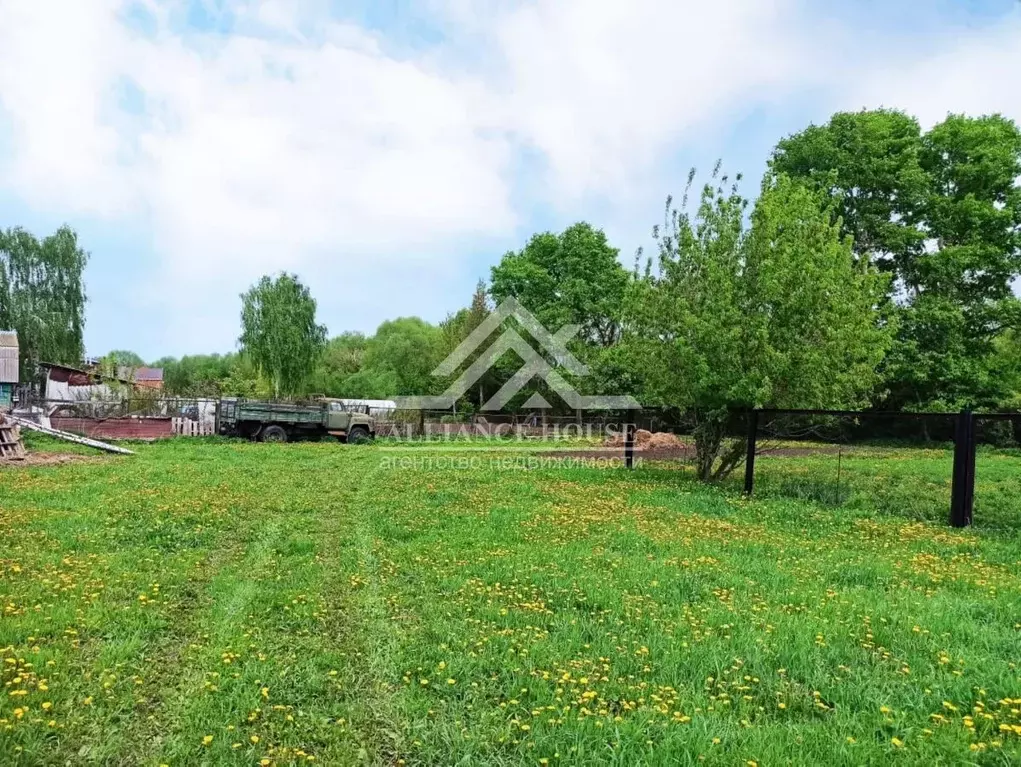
point(148, 374)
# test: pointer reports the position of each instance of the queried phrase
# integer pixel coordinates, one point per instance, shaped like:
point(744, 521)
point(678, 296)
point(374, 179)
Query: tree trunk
point(709, 438)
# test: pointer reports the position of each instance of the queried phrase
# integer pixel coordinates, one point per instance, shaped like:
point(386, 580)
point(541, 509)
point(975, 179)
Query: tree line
point(42, 295)
point(875, 268)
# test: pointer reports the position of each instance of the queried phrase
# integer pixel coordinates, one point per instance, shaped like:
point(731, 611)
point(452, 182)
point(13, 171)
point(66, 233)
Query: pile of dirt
point(664, 440)
point(647, 440)
point(45, 459)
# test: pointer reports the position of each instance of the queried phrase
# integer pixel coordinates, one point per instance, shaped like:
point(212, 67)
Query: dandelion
point(206, 740)
point(897, 742)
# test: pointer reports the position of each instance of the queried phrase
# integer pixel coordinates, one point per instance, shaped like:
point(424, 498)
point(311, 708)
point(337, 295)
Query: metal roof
point(126, 372)
point(9, 338)
point(149, 374)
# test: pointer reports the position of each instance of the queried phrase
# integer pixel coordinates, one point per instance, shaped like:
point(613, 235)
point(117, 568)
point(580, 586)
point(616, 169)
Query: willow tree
point(42, 295)
point(279, 333)
point(779, 314)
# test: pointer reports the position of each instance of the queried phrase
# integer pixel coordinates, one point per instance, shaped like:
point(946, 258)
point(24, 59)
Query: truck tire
point(358, 435)
point(273, 433)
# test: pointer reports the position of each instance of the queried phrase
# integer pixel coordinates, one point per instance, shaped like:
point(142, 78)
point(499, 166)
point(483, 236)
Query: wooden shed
point(8, 365)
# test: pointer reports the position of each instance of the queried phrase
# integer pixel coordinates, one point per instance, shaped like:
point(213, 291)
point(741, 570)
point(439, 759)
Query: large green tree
point(573, 277)
point(201, 375)
point(401, 356)
point(42, 295)
point(279, 333)
point(778, 315)
point(941, 211)
point(456, 328)
point(342, 358)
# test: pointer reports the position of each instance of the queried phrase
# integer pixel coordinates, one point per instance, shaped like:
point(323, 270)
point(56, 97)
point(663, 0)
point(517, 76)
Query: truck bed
point(278, 412)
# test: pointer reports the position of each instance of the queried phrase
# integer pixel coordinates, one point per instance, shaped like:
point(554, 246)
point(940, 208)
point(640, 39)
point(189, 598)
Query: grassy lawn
point(229, 603)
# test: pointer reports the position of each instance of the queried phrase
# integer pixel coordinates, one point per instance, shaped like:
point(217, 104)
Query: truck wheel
point(273, 434)
point(358, 435)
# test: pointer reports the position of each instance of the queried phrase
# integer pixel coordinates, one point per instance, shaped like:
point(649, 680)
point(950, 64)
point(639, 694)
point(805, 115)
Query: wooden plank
point(68, 437)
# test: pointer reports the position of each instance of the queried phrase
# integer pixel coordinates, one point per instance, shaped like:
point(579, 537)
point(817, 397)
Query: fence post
point(749, 461)
point(629, 446)
point(962, 492)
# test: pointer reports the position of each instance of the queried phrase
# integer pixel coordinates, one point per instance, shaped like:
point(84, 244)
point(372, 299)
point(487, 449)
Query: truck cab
point(346, 424)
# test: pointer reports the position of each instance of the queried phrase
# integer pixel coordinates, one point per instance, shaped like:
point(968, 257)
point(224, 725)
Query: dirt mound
point(662, 440)
point(46, 459)
point(647, 440)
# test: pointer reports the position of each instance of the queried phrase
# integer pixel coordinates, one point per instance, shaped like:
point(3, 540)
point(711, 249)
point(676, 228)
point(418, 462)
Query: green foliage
point(568, 278)
point(402, 355)
point(571, 278)
point(42, 295)
point(781, 315)
point(456, 328)
point(200, 375)
point(370, 383)
point(942, 212)
point(868, 163)
point(279, 333)
point(125, 358)
point(341, 359)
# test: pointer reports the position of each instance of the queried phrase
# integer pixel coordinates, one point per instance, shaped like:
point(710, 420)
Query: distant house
point(148, 378)
point(8, 366)
point(69, 384)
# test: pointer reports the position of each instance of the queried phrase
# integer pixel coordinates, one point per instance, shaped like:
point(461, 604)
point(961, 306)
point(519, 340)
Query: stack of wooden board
point(11, 446)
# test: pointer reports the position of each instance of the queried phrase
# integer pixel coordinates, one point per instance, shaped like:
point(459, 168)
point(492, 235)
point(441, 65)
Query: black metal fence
point(909, 463)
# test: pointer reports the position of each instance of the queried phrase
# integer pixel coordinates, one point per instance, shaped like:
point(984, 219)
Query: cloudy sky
point(389, 151)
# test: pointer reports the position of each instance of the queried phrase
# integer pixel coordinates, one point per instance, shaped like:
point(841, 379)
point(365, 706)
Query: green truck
point(283, 421)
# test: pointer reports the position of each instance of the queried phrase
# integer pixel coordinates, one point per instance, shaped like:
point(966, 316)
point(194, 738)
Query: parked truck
point(282, 421)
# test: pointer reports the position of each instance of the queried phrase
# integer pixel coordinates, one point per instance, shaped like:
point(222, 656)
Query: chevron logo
point(535, 365)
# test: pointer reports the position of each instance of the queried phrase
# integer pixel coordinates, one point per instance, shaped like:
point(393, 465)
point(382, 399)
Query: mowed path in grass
point(230, 603)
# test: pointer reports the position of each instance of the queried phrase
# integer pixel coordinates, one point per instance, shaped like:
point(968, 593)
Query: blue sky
point(390, 151)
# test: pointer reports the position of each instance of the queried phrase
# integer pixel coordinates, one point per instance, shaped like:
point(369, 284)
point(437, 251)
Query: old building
point(8, 366)
point(146, 378)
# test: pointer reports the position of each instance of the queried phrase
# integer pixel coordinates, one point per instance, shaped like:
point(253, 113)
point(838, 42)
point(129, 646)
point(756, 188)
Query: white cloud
point(305, 143)
point(603, 91)
point(969, 71)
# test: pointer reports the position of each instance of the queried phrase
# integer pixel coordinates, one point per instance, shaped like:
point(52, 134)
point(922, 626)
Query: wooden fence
point(185, 427)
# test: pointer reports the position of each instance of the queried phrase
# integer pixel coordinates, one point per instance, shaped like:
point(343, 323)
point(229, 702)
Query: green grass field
point(210, 602)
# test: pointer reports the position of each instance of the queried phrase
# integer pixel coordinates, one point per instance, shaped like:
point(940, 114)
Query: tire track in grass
point(278, 677)
point(213, 630)
point(383, 725)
